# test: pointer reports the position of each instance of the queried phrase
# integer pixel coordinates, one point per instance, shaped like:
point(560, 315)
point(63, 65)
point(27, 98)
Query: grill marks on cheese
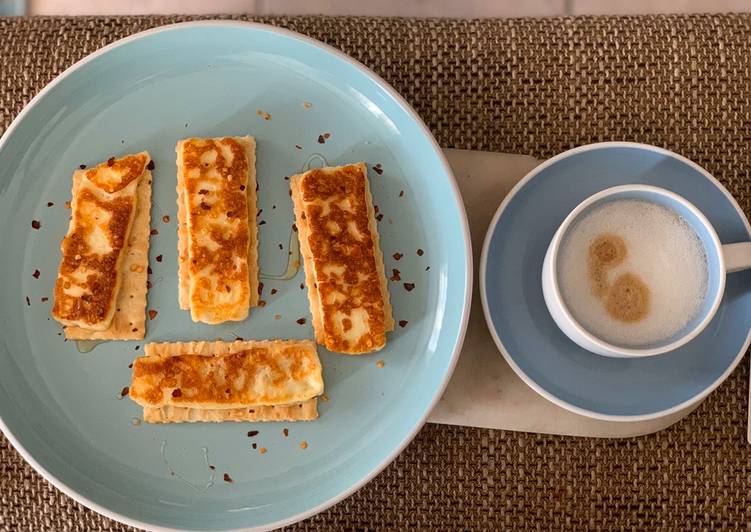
point(215, 173)
point(263, 373)
point(92, 252)
point(336, 221)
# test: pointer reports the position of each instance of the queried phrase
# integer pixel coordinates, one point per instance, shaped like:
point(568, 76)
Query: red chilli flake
point(177, 392)
point(148, 269)
point(36, 274)
point(377, 169)
point(262, 222)
point(301, 321)
point(36, 224)
point(260, 288)
point(151, 165)
point(254, 446)
point(227, 478)
point(409, 286)
point(152, 314)
point(110, 161)
point(395, 275)
point(403, 323)
point(285, 432)
point(420, 253)
point(401, 193)
point(273, 291)
point(82, 166)
point(154, 232)
point(165, 218)
point(294, 227)
point(261, 303)
point(45, 299)
point(124, 392)
point(302, 286)
point(298, 146)
point(148, 285)
point(397, 256)
point(321, 140)
point(252, 433)
point(50, 204)
point(379, 217)
point(159, 258)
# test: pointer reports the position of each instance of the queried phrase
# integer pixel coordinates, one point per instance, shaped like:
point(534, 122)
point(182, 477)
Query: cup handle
point(737, 256)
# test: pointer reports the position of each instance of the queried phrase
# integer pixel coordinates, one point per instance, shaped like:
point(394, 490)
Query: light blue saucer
point(511, 290)
point(61, 408)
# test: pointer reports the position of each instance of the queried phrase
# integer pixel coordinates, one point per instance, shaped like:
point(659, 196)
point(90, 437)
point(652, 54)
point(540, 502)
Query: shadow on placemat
point(526, 86)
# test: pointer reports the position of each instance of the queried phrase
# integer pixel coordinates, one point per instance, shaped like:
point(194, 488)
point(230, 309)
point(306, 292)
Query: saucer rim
point(487, 314)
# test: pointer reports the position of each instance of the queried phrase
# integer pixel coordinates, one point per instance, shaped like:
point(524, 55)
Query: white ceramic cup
point(721, 259)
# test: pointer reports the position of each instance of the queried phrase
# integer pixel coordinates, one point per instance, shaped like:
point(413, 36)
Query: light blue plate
point(61, 407)
point(510, 276)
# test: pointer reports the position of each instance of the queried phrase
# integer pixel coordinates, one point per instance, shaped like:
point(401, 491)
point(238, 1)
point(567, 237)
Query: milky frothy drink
point(632, 272)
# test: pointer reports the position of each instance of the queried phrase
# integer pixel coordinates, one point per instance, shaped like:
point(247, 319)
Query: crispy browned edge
point(303, 232)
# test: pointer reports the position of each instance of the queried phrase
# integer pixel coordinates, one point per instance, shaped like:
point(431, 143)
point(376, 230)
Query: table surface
point(529, 86)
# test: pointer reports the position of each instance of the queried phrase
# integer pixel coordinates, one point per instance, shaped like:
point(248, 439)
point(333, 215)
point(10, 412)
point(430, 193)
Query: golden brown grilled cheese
point(349, 299)
point(105, 203)
point(217, 231)
point(228, 381)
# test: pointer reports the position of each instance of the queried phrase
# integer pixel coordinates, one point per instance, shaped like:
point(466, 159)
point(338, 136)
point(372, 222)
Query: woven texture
point(522, 86)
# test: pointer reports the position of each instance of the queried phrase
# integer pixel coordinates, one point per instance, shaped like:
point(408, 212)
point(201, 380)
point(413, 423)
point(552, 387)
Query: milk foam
point(662, 249)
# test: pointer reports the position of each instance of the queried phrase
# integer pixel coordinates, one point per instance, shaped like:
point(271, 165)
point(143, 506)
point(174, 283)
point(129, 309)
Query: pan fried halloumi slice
point(349, 298)
point(100, 291)
point(264, 380)
point(217, 231)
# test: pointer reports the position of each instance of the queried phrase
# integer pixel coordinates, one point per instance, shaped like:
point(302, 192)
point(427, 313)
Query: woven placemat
point(526, 86)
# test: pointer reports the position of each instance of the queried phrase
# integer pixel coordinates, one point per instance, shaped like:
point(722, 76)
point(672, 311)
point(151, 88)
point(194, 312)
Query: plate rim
point(412, 114)
point(486, 310)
